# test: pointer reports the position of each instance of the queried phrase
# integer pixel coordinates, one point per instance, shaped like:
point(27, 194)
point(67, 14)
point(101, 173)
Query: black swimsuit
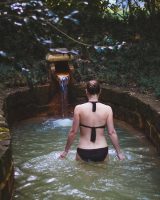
point(95, 155)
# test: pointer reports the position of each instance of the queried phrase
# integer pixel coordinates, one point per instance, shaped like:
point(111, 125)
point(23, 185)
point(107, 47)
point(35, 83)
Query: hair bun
point(93, 87)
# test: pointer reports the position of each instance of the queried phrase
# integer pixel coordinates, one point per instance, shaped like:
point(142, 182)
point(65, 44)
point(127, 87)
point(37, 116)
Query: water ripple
point(40, 174)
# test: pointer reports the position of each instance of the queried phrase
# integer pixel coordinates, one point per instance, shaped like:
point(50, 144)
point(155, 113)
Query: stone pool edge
point(15, 105)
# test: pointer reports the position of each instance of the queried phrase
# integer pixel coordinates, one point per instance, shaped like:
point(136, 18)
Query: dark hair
point(93, 87)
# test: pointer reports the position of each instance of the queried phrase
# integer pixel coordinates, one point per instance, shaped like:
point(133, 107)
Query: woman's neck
point(93, 98)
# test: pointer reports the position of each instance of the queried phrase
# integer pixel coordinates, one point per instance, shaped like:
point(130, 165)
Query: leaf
point(26, 20)
point(74, 13)
point(34, 17)
point(70, 17)
point(3, 54)
point(50, 14)
point(54, 19)
point(75, 21)
point(100, 49)
point(18, 24)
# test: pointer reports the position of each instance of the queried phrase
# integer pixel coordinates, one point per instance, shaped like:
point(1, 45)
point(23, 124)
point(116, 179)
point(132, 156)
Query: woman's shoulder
point(80, 105)
point(105, 106)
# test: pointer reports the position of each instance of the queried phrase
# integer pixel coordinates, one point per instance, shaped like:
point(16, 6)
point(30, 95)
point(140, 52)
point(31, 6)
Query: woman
point(92, 118)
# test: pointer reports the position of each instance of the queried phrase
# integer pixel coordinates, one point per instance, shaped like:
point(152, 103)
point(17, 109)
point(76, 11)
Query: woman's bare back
point(92, 119)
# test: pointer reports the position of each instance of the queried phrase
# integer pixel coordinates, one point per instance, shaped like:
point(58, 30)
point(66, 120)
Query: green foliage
point(23, 74)
point(39, 73)
point(157, 92)
point(124, 40)
point(23, 26)
point(135, 66)
point(10, 77)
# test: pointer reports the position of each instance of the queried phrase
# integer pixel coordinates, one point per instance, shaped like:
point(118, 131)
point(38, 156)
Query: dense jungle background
point(117, 42)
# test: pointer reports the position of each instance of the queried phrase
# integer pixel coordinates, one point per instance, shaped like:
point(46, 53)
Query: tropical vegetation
point(118, 42)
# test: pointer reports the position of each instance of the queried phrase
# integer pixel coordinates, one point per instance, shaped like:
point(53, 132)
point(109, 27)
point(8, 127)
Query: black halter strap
point(93, 131)
point(93, 134)
point(93, 105)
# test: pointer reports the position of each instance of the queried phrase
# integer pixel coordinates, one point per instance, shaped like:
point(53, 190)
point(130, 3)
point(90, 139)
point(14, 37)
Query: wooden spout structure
point(60, 63)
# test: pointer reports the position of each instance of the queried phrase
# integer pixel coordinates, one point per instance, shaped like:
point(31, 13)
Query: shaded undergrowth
point(135, 66)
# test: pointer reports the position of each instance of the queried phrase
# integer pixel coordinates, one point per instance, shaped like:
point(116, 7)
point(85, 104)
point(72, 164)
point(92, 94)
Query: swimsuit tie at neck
point(93, 105)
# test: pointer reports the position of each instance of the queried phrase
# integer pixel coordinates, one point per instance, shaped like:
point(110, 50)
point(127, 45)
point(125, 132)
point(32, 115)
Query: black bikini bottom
point(95, 155)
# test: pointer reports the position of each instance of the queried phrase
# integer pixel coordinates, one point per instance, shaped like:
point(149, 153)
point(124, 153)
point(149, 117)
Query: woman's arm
point(113, 135)
point(72, 133)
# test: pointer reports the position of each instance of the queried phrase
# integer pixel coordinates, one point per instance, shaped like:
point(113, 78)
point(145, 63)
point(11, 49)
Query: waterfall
point(63, 82)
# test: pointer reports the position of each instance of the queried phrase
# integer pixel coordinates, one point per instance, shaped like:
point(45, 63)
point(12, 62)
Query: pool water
point(41, 175)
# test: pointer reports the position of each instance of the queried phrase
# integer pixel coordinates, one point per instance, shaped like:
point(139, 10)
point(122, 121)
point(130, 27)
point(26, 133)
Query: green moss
point(4, 136)
point(3, 129)
point(4, 133)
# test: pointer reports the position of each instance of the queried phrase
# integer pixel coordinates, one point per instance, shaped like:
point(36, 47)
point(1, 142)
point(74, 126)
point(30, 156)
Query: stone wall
point(6, 163)
point(17, 105)
point(25, 103)
point(140, 111)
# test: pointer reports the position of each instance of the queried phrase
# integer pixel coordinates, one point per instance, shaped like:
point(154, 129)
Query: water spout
point(63, 80)
point(60, 71)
